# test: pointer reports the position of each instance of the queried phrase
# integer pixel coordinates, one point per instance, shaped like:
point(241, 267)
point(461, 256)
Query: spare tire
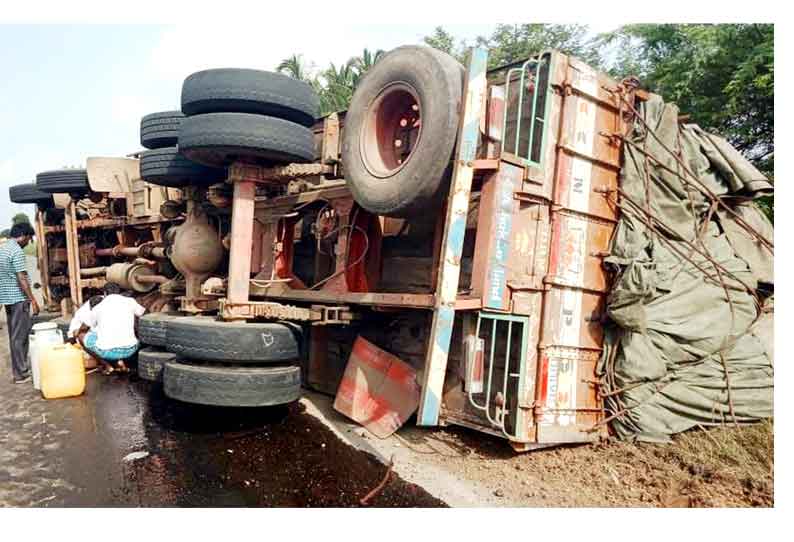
point(166, 167)
point(28, 193)
point(63, 181)
point(400, 131)
point(151, 363)
point(202, 337)
point(152, 327)
point(218, 139)
point(233, 90)
point(231, 386)
point(160, 130)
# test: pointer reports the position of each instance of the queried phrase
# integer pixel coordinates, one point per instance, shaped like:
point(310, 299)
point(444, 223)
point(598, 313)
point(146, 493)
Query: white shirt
point(82, 316)
point(113, 319)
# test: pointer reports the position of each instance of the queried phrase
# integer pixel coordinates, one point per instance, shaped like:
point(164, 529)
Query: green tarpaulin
point(690, 338)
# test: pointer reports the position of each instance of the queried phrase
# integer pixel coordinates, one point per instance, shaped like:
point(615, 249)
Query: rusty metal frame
point(42, 254)
point(73, 254)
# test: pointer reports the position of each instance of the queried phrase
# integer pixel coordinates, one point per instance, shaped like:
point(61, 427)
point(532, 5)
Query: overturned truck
point(98, 225)
point(535, 251)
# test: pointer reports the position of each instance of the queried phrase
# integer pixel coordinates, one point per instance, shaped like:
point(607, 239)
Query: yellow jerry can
point(62, 371)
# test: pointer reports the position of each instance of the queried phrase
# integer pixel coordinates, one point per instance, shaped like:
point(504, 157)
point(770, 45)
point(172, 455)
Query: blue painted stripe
point(497, 275)
point(431, 410)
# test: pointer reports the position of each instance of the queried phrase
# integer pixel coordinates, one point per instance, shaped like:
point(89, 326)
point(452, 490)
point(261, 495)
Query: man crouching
point(109, 330)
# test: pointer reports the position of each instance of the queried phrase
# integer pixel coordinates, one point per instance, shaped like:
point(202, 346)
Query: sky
point(70, 92)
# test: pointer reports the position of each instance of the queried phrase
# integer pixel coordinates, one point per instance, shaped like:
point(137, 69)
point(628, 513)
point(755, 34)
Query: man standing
point(17, 296)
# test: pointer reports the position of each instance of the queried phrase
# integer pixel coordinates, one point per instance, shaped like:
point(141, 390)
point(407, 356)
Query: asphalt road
point(123, 443)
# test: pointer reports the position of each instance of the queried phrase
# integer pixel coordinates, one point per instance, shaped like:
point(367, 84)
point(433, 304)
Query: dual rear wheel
point(235, 364)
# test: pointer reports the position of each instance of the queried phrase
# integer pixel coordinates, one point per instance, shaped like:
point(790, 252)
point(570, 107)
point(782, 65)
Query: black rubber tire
point(204, 338)
point(152, 327)
point(232, 386)
point(421, 182)
point(161, 129)
point(63, 181)
point(233, 90)
point(151, 363)
point(28, 193)
point(166, 167)
point(218, 139)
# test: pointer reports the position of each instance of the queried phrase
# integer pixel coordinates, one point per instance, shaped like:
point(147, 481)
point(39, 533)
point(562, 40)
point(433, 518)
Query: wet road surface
point(124, 443)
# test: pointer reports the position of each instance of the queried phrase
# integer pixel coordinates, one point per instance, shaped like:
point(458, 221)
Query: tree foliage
point(20, 217)
point(721, 75)
point(335, 84)
point(512, 42)
point(295, 67)
point(444, 41)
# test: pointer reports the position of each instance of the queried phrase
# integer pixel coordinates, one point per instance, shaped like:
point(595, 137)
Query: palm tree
point(295, 67)
point(361, 64)
point(338, 89)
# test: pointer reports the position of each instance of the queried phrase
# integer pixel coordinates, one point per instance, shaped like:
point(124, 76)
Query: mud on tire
point(231, 386)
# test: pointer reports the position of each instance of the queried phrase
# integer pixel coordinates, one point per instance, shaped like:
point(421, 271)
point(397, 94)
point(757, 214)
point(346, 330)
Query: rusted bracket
point(195, 305)
point(318, 315)
point(568, 89)
point(276, 175)
point(615, 138)
point(332, 315)
point(570, 150)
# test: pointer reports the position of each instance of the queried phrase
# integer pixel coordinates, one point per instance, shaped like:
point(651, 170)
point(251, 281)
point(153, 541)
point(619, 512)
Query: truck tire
point(161, 129)
point(151, 363)
point(409, 82)
point(232, 90)
point(28, 193)
point(231, 386)
point(63, 181)
point(204, 338)
point(152, 327)
point(218, 139)
point(166, 167)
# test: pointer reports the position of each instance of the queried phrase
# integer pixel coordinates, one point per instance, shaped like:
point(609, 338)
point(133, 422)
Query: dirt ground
point(717, 467)
point(75, 452)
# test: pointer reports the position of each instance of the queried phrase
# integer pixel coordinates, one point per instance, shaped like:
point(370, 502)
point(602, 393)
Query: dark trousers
point(18, 320)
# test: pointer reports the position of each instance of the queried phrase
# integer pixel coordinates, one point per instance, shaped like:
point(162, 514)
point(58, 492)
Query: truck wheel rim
point(392, 129)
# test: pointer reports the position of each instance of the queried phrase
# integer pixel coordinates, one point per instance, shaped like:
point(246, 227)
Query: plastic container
point(43, 335)
point(62, 372)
